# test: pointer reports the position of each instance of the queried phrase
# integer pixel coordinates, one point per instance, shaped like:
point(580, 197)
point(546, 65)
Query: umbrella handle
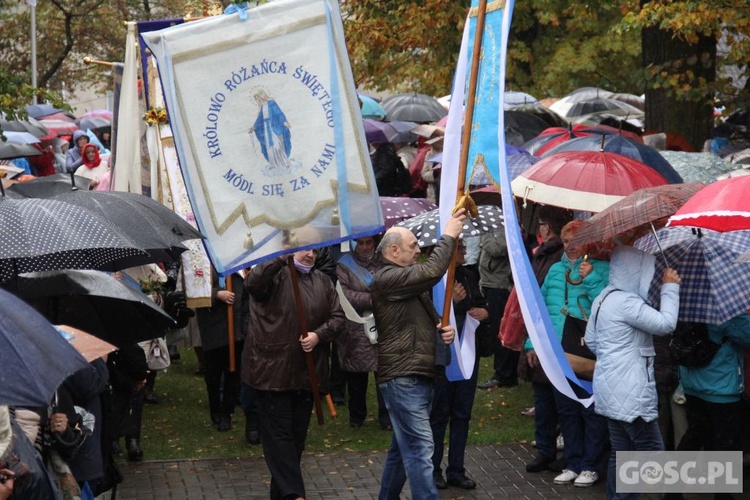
point(658, 243)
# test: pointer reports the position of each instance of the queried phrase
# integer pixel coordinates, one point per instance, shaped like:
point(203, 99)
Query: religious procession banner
point(268, 130)
point(486, 147)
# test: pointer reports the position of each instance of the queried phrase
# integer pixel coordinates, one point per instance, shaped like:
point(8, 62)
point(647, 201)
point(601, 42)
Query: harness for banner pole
point(314, 386)
point(463, 200)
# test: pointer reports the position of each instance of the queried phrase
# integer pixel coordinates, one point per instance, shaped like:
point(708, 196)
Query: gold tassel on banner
point(335, 220)
point(249, 244)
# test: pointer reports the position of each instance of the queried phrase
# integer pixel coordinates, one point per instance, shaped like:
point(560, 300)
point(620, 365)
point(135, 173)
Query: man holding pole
point(274, 358)
point(407, 362)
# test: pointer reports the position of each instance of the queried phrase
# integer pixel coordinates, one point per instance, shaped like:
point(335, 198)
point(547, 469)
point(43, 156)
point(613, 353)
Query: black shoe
point(215, 418)
point(199, 372)
point(174, 354)
point(151, 398)
point(116, 447)
point(440, 482)
point(225, 424)
point(252, 437)
point(355, 425)
point(386, 427)
point(539, 464)
point(489, 384)
point(135, 453)
point(462, 482)
point(558, 465)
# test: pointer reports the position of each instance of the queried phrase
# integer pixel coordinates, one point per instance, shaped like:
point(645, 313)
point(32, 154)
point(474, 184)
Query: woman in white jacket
point(619, 332)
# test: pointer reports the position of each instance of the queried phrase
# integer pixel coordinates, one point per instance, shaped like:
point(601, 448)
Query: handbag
point(157, 356)
point(574, 330)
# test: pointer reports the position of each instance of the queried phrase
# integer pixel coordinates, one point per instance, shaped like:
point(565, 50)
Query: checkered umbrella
point(715, 287)
point(639, 208)
point(425, 226)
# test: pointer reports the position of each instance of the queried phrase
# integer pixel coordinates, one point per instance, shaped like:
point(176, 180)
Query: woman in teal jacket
point(713, 391)
point(569, 288)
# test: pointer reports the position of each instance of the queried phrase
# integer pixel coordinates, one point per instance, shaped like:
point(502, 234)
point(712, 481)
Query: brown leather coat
point(273, 359)
point(405, 316)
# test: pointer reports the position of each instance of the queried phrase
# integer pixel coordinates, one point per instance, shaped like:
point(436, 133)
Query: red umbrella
point(98, 113)
point(720, 206)
point(584, 180)
point(59, 127)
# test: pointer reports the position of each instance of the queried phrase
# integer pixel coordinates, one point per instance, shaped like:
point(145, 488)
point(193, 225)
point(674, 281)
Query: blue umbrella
point(34, 357)
point(616, 143)
point(714, 287)
point(40, 110)
point(371, 108)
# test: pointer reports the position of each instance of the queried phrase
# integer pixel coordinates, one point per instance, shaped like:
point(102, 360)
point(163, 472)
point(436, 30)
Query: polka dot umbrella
point(397, 209)
point(425, 226)
point(42, 235)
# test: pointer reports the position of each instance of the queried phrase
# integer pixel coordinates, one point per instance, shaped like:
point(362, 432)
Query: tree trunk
point(668, 113)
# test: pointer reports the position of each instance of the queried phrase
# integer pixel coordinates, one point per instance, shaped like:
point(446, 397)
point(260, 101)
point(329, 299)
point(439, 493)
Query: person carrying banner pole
point(274, 356)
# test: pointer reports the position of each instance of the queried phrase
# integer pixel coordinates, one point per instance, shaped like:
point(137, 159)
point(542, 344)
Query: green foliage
point(179, 426)
point(407, 45)
point(557, 46)
point(16, 92)
point(690, 21)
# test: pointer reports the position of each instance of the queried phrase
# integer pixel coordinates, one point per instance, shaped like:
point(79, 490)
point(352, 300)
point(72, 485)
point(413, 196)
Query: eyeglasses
point(540, 223)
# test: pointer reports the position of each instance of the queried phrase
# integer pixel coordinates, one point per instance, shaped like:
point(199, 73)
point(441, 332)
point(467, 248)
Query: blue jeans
point(584, 432)
point(408, 400)
point(545, 419)
point(453, 401)
point(637, 435)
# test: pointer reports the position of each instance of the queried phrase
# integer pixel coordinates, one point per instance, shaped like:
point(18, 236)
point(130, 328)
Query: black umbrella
point(425, 226)
point(551, 118)
point(412, 107)
point(49, 186)
point(42, 235)
point(10, 150)
point(151, 225)
point(96, 303)
point(92, 123)
point(31, 125)
point(34, 357)
point(595, 104)
point(521, 127)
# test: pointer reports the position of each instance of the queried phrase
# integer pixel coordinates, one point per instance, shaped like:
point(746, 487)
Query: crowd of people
point(596, 298)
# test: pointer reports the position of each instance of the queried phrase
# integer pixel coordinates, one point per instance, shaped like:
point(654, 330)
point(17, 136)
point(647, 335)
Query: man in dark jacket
point(273, 360)
point(407, 323)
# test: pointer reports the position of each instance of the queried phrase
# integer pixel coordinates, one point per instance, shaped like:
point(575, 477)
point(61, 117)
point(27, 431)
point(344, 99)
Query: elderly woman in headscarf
point(94, 167)
point(74, 156)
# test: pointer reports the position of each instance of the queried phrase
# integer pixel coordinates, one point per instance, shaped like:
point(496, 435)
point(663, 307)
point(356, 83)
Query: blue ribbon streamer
point(239, 8)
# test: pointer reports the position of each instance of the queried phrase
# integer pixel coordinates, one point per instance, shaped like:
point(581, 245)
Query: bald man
point(408, 332)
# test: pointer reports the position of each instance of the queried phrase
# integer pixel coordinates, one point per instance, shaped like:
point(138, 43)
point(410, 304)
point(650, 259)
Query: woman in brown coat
point(357, 355)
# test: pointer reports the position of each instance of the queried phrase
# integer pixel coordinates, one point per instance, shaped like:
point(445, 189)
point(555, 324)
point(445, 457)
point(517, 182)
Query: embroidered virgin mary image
point(272, 130)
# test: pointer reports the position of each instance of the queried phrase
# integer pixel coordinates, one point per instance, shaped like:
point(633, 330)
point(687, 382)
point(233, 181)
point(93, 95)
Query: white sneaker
point(560, 443)
point(586, 478)
point(567, 477)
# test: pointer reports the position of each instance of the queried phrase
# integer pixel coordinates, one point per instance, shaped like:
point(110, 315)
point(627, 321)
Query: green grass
point(179, 426)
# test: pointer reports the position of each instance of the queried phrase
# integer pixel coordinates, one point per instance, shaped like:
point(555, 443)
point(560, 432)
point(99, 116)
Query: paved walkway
point(498, 470)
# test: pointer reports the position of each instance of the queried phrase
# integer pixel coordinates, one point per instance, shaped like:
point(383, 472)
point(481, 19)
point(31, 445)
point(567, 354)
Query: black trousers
point(712, 426)
point(356, 384)
point(223, 386)
point(505, 361)
point(284, 420)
